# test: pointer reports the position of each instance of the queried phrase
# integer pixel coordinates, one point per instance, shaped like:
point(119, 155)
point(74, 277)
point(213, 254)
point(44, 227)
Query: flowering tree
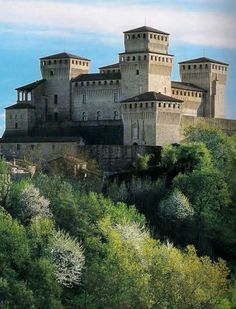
point(67, 255)
point(176, 206)
point(32, 204)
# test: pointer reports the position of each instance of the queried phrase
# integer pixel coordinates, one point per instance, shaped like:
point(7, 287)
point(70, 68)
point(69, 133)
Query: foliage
point(67, 255)
point(215, 140)
point(176, 207)
point(184, 158)
point(143, 161)
point(25, 202)
point(4, 169)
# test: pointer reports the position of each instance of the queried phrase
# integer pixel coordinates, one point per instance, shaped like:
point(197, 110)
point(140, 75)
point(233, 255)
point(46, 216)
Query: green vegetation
point(138, 244)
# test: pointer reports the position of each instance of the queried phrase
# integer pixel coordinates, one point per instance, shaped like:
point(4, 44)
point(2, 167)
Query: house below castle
point(131, 102)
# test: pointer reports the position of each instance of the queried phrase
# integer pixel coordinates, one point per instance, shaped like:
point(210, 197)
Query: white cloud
point(106, 19)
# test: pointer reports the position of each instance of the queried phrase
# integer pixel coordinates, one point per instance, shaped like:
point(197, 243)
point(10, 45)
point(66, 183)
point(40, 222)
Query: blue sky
point(30, 29)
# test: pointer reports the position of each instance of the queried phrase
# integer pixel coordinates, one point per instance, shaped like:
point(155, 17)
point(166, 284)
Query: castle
point(132, 102)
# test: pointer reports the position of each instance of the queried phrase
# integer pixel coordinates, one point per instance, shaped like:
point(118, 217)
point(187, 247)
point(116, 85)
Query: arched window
point(99, 115)
point(116, 115)
point(84, 116)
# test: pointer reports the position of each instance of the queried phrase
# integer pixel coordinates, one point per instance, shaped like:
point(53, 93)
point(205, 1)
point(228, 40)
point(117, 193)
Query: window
point(87, 83)
point(49, 62)
point(133, 36)
point(144, 57)
point(116, 115)
point(162, 38)
point(72, 61)
point(189, 67)
point(84, 116)
point(16, 125)
point(84, 98)
point(32, 147)
point(55, 116)
point(17, 146)
point(150, 36)
point(137, 72)
point(206, 66)
point(60, 61)
point(128, 58)
point(51, 73)
point(144, 35)
point(138, 36)
point(115, 96)
point(55, 62)
point(133, 58)
point(183, 67)
point(55, 99)
point(200, 66)
point(151, 57)
point(99, 116)
point(194, 66)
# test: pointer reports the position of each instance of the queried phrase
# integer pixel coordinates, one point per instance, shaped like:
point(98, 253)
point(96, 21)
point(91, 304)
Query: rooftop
point(186, 86)
point(203, 60)
point(64, 56)
point(20, 106)
point(115, 65)
point(97, 76)
point(146, 29)
point(152, 96)
point(31, 86)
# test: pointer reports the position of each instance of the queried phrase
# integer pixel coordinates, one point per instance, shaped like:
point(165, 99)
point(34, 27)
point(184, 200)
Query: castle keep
point(132, 102)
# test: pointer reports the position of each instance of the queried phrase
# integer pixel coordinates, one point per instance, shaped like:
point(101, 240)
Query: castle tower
point(58, 70)
point(63, 66)
point(210, 75)
point(145, 65)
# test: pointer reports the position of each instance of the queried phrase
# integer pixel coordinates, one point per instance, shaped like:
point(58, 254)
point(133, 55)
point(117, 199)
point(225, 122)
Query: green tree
point(184, 158)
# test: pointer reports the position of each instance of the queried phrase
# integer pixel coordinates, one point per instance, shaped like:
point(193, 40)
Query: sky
point(30, 29)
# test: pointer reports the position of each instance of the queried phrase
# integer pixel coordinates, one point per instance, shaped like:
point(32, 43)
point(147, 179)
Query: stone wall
point(115, 158)
point(226, 125)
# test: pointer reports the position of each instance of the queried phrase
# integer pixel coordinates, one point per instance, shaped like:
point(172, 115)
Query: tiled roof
point(151, 96)
point(202, 60)
point(115, 66)
point(62, 56)
point(20, 106)
point(146, 29)
point(31, 86)
point(186, 86)
point(97, 76)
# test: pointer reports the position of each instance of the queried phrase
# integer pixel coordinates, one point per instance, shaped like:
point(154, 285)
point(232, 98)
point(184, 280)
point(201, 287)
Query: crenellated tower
point(210, 75)
point(145, 65)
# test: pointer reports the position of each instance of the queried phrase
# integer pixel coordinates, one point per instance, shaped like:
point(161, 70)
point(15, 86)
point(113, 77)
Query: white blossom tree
point(31, 204)
point(176, 206)
point(68, 257)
